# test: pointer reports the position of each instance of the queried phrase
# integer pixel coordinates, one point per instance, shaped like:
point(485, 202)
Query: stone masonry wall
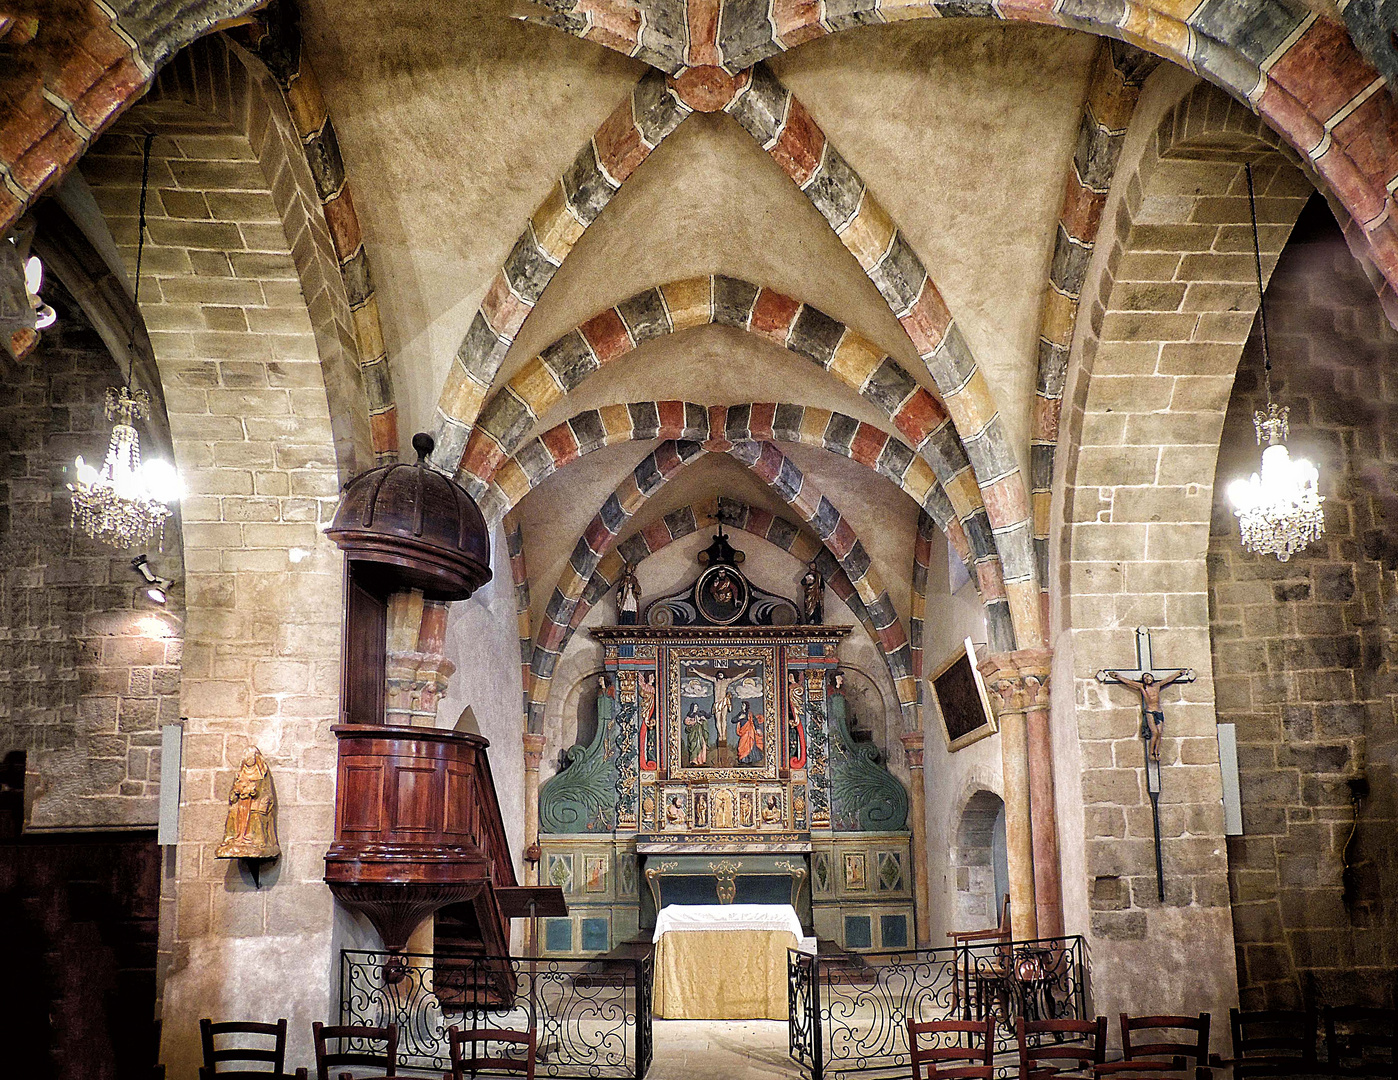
point(1303, 649)
point(89, 668)
point(251, 427)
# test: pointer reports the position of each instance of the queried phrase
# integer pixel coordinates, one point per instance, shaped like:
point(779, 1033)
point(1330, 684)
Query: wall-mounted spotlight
point(157, 588)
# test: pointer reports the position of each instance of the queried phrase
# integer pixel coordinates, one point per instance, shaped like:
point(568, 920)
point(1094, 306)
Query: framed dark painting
point(961, 698)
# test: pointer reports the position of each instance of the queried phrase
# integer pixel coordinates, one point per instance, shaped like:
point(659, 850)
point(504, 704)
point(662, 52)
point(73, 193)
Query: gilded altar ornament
point(250, 831)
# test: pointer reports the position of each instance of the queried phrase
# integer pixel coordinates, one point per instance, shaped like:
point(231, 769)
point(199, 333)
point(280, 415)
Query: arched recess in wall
point(1153, 367)
point(266, 417)
point(874, 700)
point(978, 861)
point(240, 140)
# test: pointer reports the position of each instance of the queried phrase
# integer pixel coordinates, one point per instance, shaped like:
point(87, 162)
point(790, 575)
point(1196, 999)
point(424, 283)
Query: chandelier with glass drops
point(126, 502)
point(1278, 510)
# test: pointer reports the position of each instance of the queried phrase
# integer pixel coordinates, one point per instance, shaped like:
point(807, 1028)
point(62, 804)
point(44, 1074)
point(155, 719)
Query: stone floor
point(721, 1050)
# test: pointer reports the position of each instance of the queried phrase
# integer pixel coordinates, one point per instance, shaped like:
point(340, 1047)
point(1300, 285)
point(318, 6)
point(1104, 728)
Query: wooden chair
point(984, 976)
point(1274, 1042)
point(218, 1058)
point(460, 1063)
point(1077, 1046)
point(1361, 1042)
point(939, 1062)
point(385, 1062)
point(1194, 1046)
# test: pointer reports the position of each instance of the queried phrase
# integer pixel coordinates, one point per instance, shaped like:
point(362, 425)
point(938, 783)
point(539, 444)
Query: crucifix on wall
point(1149, 681)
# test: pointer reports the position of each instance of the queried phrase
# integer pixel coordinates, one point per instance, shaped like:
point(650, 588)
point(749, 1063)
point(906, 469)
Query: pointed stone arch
point(541, 457)
point(1298, 70)
point(787, 481)
point(548, 378)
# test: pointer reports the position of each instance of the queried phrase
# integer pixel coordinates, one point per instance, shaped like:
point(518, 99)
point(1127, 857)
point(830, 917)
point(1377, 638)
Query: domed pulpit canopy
point(411, 527)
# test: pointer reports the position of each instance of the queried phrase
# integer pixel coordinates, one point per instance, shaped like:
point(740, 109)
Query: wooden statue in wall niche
point(796, 719)
point(628, 596)
point(813, 595)
point(250, 832)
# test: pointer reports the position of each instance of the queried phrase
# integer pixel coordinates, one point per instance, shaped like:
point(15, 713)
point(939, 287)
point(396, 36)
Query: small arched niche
point(979, 862)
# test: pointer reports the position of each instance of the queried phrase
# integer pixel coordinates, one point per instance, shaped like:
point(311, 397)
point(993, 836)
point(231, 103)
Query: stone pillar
point(1020, 680)
point(1043, 804)
point(418, 672)
point(533, 754)
point(917, 811)
point(1003, 679)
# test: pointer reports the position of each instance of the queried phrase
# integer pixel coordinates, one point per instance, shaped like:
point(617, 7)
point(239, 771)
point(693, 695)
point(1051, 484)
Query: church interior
point(698, 537)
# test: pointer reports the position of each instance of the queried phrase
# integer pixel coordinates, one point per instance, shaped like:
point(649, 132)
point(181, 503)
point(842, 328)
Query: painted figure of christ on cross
point(1147, 681)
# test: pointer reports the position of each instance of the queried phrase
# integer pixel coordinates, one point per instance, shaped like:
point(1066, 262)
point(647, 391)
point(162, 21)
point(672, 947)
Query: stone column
point(418, 672)
point(533, 754)
point(1003, 679)
point(1048, 884)
point(917, 810)
point(1020, 681)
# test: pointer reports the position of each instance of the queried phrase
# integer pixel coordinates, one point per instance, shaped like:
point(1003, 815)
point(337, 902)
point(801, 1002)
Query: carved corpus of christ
point(1149, 687)
point(721, 679)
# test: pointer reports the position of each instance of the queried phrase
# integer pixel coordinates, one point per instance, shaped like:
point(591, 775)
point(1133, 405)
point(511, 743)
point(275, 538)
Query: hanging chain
point(1261, 293)
point(140, 250)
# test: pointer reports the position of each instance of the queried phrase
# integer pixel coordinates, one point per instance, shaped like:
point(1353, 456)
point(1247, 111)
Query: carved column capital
point(533, 750)
point(913, 744)
point(1019, 679)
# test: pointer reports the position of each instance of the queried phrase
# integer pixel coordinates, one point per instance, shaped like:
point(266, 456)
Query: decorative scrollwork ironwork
point(849, 1013)
point(592, 1017)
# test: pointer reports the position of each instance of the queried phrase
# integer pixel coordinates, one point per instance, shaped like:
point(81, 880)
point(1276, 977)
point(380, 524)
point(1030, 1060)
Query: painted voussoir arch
point(795, 539)
point(674, 307)
point(717, 300)
point(720, 427)
point(1299, 70)
point(625, 139)
point(786, 480)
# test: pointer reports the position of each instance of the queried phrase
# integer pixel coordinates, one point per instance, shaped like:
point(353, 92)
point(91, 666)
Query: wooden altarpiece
point(724, 770)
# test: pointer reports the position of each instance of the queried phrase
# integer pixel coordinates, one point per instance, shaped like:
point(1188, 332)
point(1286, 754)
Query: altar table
point(723, 961)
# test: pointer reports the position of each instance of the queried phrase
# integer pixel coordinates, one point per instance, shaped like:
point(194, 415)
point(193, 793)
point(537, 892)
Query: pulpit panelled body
point(408, 798)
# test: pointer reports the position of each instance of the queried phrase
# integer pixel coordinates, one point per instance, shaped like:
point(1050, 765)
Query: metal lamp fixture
point(126, 502)
point(1278, 509)
point(157, 587)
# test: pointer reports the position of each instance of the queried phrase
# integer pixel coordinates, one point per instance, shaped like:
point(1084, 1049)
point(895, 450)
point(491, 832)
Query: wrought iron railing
point(591, 1017)
point(849, 1012)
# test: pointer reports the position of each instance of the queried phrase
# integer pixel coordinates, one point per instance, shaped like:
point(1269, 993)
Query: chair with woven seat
point(463, 1066)
point(958, 1061)
point(382, 1062)
point(228, 1056)
point(1361, 1041)
point(1273, 1042)
point(1072, 1047)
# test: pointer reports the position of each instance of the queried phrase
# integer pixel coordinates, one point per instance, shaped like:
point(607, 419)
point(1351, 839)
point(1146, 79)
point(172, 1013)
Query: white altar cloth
point(723, 961)
point(727, 917)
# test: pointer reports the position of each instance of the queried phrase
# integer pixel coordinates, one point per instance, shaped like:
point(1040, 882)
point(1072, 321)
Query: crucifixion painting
point(730, 699)
point(1148, 682)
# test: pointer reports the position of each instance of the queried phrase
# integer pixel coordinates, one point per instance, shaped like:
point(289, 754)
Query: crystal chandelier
point(1279, 510)
point(125, 504)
